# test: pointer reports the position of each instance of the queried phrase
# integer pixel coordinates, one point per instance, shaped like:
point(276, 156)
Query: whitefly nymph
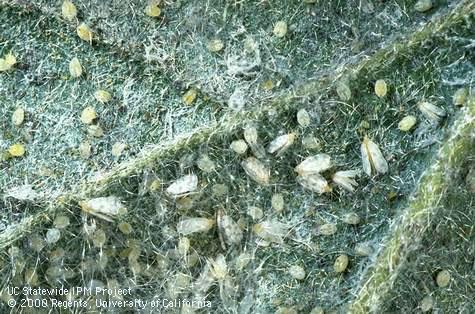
point(314, 182)
point(18, 116)
point(183, 186)
point(297, 272)
point(219, 267)
point(281, 143)
point(256, 170)
point(239, 147)
point(251, 137)
point(343, 90)
point(69, 10)
point(229, 231)
point(372, 157)
point(75, 67)
point(250, 134)
point(303, 118)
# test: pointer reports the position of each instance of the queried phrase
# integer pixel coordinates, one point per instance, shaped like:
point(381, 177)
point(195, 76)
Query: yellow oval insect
point(75, 67)
point(18, 116)
point(280, 29)
point(341, 263)
point(256, 170)
point(190, 96)
point(215, 45)
point(407, 123)
point(69, 11)
point(152, 9)
point(88, 115)
point(102, 95)
point(84, 32)
point(17, 150)
point(381, 88)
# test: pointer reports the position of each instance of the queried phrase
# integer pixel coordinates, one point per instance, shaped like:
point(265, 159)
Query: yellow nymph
point(280, 29)
point(88, 115)
point(75, 67)
point(17, 150)
point(102, 95)
point(190, 96)
point(7, 62)
point(380, 88)
point(10, 59)
point(69, 11)
point(84, 32)
point(18, 116)
point(341, 263)
point(152, 9)
point(407, 123)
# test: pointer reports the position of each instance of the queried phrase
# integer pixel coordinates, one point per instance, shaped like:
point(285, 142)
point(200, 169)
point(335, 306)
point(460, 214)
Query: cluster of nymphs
point(88, 115)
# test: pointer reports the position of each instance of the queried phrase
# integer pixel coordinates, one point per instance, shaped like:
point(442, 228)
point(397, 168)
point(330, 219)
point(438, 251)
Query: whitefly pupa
point(229, 231)
point(251, 137)
point(314, 182)
point(256, 170)
point(303, 118)
point(69, 10)
point(281, 143)
point(443, 278)
point(239, 147)
point(297, 272)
